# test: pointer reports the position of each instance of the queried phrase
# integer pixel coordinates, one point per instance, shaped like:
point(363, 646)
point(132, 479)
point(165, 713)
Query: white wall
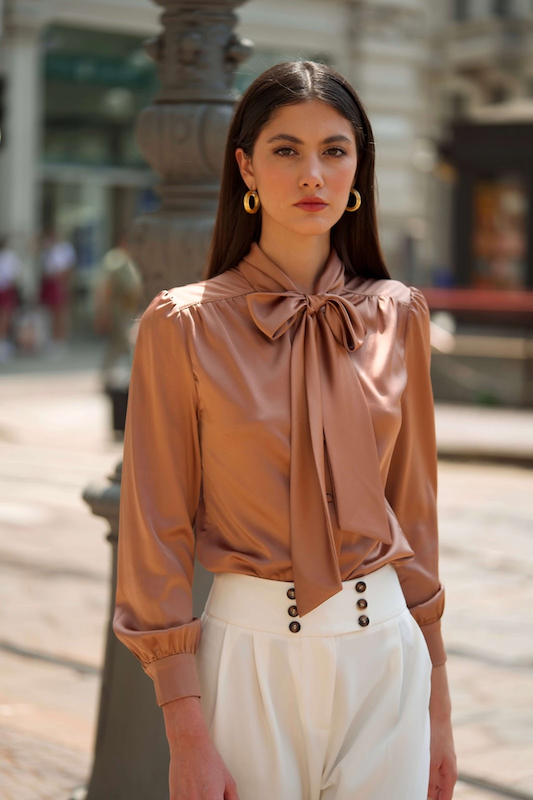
point(295, 28)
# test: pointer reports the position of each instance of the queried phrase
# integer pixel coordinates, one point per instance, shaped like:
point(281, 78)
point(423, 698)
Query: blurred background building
point(448, 85)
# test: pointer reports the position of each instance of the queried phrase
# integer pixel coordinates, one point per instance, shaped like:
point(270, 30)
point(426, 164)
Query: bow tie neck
point(330, 420)
point(276, 313)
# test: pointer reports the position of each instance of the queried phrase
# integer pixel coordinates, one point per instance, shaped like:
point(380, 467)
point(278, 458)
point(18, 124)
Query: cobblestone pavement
point(54, 583)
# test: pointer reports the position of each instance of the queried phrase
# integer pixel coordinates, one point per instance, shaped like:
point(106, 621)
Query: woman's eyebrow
point(337, 137)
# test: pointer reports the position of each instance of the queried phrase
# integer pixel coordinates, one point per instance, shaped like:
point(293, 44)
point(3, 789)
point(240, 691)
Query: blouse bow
point(276, 313)
point(330, 419)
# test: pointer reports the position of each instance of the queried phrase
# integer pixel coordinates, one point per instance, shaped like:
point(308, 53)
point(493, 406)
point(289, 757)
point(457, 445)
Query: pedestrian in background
point(58, 261)
point(10, 269)
point(281, 426)
point(117, 300)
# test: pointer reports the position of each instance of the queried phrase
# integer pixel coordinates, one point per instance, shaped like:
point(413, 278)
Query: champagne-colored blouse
point(279, 434)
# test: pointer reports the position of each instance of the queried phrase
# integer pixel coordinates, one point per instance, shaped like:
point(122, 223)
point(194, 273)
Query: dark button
point(291, 594)
point(361, 603)
point(363, 621)
point(293, 611)
point(294, 627)
point(360, 586)
point(329, 497)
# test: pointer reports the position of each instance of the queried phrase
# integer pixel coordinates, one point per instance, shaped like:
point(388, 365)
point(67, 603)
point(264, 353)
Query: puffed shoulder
point(419, 314)
point(221, 287)
point(418, 333)
point(379, 287)
point(161, 306)
point(418, 303)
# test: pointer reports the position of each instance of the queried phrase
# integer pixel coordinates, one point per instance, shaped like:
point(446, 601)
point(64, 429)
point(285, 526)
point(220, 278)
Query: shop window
point(95, 85)
point(499, 234)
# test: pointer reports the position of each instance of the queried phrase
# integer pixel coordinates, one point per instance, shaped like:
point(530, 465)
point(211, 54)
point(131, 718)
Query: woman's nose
point(311, 174)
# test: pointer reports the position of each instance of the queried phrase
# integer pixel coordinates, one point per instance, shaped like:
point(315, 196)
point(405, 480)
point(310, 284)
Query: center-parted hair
point(355, 236)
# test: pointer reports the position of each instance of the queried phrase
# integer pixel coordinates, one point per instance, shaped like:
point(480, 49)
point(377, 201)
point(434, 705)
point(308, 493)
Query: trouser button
point(294, 627)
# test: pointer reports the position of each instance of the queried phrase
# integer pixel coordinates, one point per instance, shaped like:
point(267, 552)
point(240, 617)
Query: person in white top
point(58, 259)
point(9, 274)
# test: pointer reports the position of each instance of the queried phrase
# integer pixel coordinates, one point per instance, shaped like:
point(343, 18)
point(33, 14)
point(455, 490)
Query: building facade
point(437, 78)
point(76, 74)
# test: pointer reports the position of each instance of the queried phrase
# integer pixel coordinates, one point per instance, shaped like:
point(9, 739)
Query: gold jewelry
point(357, 200)
point(252, 194)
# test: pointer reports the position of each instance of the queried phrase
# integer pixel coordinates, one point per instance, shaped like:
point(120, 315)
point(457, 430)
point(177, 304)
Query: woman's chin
point(307, 227)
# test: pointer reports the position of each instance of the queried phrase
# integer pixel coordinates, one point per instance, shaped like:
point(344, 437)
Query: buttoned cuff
point(174, 676)
point(433, 636)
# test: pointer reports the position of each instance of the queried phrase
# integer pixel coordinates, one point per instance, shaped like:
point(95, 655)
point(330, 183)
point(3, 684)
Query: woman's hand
point(197, 771)
point(443, 769)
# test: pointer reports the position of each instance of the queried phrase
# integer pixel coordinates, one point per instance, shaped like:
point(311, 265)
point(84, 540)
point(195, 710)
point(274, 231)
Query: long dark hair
point(355, 236)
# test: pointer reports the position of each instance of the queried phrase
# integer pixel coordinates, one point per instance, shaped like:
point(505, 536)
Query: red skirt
point(8, 299)
point(54, 291)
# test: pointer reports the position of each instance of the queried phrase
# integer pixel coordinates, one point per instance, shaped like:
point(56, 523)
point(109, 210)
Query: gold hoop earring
point(357, 200)
point(251, 195)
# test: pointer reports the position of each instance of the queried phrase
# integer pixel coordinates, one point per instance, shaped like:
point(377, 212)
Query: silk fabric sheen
point(284, 435)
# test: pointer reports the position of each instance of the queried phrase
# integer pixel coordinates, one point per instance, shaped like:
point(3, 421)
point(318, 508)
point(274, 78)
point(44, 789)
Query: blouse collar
point(265, 276)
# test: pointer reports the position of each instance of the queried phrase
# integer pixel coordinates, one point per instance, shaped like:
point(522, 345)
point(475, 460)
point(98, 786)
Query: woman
point(283, 407)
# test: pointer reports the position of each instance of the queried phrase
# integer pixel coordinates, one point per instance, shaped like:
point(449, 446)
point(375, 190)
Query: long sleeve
point(161, 483)
point(411, 487)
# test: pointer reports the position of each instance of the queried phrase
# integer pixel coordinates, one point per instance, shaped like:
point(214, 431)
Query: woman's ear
point(245, 167)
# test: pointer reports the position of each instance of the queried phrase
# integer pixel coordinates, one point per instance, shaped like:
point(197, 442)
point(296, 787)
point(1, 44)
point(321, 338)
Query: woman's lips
point(311, 206)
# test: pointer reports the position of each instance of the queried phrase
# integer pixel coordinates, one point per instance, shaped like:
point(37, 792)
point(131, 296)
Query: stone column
point(19, 155)
point(182, 135)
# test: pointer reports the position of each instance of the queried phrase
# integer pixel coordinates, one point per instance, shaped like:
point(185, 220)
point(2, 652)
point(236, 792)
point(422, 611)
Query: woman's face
point(305, 150)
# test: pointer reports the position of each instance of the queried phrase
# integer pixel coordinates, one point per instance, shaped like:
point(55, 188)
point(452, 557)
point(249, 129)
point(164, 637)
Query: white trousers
point(330, 706)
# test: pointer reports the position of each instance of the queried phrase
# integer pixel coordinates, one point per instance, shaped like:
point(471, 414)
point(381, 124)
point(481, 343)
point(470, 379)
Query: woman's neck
point(302, 258)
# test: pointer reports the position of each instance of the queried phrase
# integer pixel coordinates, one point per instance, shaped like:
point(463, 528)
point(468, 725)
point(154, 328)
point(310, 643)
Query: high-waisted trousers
point(330, 706)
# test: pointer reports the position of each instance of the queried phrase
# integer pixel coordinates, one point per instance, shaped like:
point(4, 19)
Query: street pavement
point(55, 569)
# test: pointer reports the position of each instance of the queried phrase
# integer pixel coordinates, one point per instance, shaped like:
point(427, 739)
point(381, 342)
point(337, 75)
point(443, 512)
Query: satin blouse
point(277, 434)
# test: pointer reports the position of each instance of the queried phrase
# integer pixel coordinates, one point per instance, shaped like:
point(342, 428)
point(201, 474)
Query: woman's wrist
point(440, 702)
point(184, 717)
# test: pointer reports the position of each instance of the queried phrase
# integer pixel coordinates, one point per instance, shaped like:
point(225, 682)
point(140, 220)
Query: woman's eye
point(336, 152)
